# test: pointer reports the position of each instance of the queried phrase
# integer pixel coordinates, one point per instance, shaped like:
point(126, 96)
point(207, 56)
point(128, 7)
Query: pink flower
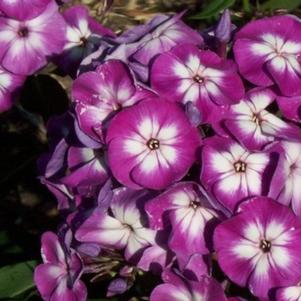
point(186, 207)
point(268, 51)
point(188, 74)
point(231, 172)
point(260, 246)
point(26, 45)
point(151, 144)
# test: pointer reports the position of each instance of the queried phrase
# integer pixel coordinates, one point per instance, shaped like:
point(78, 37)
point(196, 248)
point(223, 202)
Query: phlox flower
point(187, 73)
point(260, 246)
point(151, 144)
point(185, 207)
point(124, 226)
point(26, 45)
point(99, 94)
point(58, 278)
point(231, 172)
point(267, 51)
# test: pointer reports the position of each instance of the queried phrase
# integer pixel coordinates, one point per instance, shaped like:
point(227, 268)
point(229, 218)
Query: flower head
point(188, 74)
point(232, 172)
point(260, 246)
point(267, 51)
point(26, 45)
point(187, 209)
point(151, 145)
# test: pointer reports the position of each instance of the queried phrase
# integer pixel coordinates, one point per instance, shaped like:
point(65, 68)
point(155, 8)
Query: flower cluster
point(176, 159)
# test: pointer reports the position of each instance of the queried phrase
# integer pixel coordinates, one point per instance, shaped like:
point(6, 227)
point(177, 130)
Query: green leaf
point(276, 4)
point(213, 8)
point(16, 279)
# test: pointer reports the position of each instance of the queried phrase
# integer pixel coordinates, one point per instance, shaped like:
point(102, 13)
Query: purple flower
point(253, 126)
point(83, 36)
point(23, 9)
point(10, 85)
point(100, 93)
point(187, 209)
point(140, 45)
point(290, 293)
point(58, 278)
point(26, 45)
point(260, 246)
point(267, 51)
point(125, 228)
point(180, 289)
point(287, 176)
point(188, 74)
point(151, 145)
point(232, 172)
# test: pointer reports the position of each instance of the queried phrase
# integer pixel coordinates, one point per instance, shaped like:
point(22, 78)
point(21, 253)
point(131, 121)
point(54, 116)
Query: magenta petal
point(250, 66)
point(23, 9)
point(47, 277)
point(52, 251)
point(286, 77)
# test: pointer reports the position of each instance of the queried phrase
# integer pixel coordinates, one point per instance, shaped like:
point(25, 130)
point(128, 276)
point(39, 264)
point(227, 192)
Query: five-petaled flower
point(187, 73)
point(151, 145)
point(231, 172)
point(260, 246)
point(268, 51)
